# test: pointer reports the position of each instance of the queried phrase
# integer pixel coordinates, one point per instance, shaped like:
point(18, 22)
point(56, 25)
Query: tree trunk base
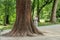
point(23, 33)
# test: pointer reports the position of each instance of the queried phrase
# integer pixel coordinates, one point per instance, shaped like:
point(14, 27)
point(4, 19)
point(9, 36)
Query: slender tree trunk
point(53, 14)
point(38, 10)
point(6, 20)
point(33, 8)
point(6, 17)
point(23, 25)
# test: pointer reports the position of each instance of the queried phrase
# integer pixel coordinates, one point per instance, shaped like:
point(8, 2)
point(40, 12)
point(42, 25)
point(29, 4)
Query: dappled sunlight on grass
point(5, 27)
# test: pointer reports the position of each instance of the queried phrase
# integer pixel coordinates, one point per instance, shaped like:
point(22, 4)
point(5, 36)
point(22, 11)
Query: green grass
point(5, 27)
point(47, 23)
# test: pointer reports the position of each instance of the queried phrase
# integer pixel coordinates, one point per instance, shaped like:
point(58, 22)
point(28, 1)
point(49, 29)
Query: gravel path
point(51, 32)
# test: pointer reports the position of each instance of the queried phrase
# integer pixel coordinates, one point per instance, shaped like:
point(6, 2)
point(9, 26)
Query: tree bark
point(53, 14)
point(24, 25)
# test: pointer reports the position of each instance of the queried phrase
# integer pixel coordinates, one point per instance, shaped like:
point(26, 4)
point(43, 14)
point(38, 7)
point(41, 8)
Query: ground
point(51, 32)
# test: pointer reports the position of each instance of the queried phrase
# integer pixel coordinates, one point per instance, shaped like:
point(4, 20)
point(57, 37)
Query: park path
point(51, 32)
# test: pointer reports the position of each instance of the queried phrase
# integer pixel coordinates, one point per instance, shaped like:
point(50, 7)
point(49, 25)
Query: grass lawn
point(6, 27)
point(47, 23)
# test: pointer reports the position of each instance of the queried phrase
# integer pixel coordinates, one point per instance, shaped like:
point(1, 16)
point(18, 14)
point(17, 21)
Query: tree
point(24, 24)
point(9, 8)
point(33, 7)
point(53, 14)
point(39, 8)
point(6, 10)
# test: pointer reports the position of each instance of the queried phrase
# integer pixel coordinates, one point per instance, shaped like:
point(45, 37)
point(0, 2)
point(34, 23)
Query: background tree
point(53, 14)
point(38, 10)
point(33, 7)
point(6, 17)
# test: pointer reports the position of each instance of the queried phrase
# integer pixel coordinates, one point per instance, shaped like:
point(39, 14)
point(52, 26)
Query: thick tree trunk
point(53, 14)
point(23, 25)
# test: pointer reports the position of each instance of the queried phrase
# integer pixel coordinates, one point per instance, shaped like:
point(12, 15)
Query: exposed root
point(21, 34)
